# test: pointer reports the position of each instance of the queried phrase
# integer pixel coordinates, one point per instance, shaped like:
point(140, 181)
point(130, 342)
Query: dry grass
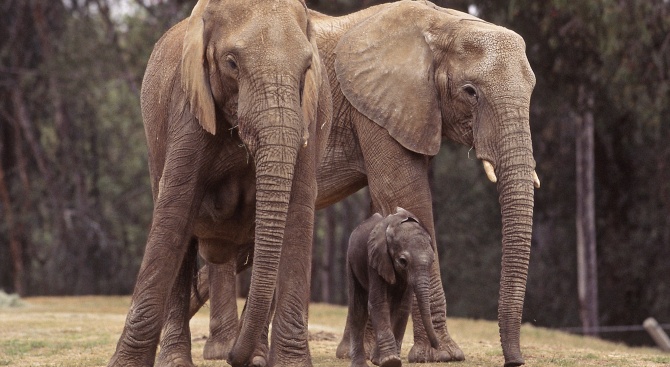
point(82, 331)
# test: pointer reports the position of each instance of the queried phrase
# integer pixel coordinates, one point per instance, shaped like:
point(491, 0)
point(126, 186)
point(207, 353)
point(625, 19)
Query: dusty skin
point(82, 331)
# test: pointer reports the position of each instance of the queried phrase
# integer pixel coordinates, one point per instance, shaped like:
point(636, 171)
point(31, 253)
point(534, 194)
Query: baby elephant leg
point(386, 354)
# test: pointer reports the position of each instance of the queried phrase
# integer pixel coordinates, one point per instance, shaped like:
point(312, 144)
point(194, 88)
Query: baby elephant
point(388, 260)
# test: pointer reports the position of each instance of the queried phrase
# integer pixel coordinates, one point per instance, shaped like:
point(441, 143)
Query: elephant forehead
point(264, 21)
point(411, 232)
point(498, 53)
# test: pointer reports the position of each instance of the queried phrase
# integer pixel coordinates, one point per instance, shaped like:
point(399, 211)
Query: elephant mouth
point(491, 174)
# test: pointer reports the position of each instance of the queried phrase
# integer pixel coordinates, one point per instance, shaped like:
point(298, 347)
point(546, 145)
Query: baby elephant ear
point(194, 76)
point(378, 254)
point(405, 216)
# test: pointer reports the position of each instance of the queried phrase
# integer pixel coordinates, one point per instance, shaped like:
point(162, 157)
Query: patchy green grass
point(82, 331)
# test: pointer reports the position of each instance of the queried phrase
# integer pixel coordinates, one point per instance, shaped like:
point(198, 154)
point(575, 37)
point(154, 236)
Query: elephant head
point(252, 66)
point(399, 246)
point(425, 73)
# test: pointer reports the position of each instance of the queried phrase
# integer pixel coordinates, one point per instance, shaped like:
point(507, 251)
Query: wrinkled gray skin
point(237, 112)
point(388, 259)
point(404, 77)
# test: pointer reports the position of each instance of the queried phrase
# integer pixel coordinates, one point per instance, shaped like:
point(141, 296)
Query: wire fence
point(609, 329)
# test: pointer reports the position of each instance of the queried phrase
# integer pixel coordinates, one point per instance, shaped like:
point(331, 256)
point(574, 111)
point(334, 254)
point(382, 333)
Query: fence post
point(657, 333)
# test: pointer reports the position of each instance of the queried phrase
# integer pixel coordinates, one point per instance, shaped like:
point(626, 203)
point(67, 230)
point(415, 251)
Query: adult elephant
point(237, 112)
point(405, 76)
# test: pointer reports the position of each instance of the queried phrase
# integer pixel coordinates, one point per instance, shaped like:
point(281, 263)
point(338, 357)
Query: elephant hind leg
point(223, 322)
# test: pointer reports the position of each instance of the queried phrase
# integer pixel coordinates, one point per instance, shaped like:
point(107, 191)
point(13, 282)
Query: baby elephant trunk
point(422, 292)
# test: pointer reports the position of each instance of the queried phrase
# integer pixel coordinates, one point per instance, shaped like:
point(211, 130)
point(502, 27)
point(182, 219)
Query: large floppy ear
point(378, 254)
point(194, 75)
point(385, 69)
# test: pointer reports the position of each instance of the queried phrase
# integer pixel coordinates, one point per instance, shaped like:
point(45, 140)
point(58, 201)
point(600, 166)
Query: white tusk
point(536, 180)
point(490, 173)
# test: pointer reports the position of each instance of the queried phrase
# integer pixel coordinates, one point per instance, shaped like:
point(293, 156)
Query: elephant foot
point(515, 363)
point(175, 354)
point(258, 359)
point(118, 361)
point(390, 361)
point(361, 363)
point(422, 352)
point(344, 349)
point(217, 349)
point(174, 358)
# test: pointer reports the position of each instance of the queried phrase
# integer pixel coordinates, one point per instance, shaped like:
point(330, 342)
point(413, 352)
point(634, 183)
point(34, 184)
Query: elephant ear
point(194, 75)
point(401, 216)
point(378, 254)
point(385, 69)
point(313, 110)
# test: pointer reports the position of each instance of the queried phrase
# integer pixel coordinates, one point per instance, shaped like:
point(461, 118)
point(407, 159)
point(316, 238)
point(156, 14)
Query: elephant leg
point(200, 294)
point(410, 189)
point(344, 347)
point(421, 351)
point(357, 316)
point(165, 251)
point(343, 350)
point(399, 317)
point(289, 346)
point(379, 311)
point(177, 201)
point(175, 345)
point(260, 355)
point(223, 322)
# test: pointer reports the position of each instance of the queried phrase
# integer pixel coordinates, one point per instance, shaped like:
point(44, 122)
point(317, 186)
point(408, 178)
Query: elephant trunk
point(515, 168)
point(275, 150)
point(421, 288)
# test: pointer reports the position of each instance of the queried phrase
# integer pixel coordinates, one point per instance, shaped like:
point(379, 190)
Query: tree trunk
point(585, 220)
point(15, 246)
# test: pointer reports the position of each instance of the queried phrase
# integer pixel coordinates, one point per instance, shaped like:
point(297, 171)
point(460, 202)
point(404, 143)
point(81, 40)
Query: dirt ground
point(83, 331)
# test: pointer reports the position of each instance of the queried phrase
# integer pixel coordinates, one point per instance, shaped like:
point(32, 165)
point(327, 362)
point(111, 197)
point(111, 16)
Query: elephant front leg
point(386, 353)
point(223, 321)
point(409, 189)
point(175, 344)
point(421, 351)
point(165, 251)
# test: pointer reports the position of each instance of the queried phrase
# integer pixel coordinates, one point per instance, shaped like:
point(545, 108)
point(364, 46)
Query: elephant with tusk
point(405, 76)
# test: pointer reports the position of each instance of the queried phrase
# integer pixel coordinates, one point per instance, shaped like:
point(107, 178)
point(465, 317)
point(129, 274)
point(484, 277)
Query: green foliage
point(75, 153)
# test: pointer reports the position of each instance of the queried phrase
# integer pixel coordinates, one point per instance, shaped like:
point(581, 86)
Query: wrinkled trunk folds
point(515, 188)
point(275, 159)
point(422, 292)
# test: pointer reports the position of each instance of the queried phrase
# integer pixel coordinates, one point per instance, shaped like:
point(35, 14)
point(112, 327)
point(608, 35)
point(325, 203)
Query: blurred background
point(75, 198)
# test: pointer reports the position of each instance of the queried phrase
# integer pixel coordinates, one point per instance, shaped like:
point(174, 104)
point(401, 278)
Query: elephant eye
point(470, 90)
point(402, 261)
point(230, 60)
